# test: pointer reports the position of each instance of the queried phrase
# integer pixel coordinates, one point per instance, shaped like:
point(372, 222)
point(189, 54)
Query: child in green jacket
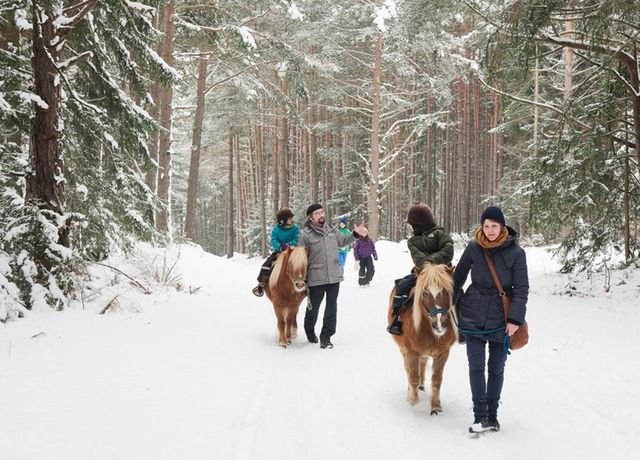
point(429, 244)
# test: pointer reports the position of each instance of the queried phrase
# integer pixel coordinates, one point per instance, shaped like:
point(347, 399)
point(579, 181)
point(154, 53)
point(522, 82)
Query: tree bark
point(261, 167)
point(284, 150)
point(45, 182)
point(151, 177)
point(230, 228)
point(241, 206)
point(196, 145)
point(313, 154)
point(163, 222)
point(10, 38)
point(372, 197)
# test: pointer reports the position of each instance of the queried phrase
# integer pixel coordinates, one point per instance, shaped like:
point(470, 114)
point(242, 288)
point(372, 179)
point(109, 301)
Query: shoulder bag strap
point(496, 280)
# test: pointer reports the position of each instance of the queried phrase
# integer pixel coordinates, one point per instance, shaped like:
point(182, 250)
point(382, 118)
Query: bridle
point(435, 311)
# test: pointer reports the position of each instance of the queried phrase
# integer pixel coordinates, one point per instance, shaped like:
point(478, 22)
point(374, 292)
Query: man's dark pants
point(316, 294)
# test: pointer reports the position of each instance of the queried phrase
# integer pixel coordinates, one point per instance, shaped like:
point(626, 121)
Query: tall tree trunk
point(196, 145)
point(275, 163)
point(10, 40)
point(372, 196)
point(261, 167)
point(230, 229)
point(627, 220)
point(313, 154)
point(634, 74)
point(284, 150)
point(45, 183)
point(241, 206)
point(151, 177)
point(263, 181)
point(568, 58)
point(163, 222)
point(496, 145)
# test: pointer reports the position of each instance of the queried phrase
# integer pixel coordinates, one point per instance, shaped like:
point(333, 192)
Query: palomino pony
point(429, 331)
point(286, 289)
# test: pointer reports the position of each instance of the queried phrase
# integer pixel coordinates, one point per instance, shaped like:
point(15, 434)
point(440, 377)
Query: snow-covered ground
point(196, 373)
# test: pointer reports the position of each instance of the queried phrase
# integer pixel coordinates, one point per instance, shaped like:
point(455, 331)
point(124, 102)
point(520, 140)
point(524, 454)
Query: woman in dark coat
point(480, 311)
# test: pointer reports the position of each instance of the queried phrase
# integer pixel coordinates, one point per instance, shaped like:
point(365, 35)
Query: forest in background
point(169, 120)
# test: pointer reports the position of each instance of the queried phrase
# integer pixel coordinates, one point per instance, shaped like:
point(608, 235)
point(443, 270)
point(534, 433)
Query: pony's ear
point(450, 270)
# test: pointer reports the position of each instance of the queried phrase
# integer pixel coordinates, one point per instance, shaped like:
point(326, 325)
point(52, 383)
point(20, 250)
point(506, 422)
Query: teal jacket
point(284, 235)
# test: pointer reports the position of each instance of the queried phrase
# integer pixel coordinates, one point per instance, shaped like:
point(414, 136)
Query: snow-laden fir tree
point(73, 186)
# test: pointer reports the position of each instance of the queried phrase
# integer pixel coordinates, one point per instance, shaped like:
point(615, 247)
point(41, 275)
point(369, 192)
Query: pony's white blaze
point(440, 330)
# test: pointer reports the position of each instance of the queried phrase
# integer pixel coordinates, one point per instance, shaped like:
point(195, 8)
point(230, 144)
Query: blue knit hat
point(493, 213)
point(344, 220)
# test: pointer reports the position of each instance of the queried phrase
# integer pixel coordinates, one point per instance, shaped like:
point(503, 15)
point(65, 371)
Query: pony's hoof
point(288, 342)
point(413, 400)
point(436, 411)
point(282, 345)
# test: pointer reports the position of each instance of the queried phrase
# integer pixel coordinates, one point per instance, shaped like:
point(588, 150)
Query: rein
point(505, 340)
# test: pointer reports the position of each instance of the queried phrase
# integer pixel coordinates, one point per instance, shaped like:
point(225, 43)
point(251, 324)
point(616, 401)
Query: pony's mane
point(435, 278)
point(297, 259)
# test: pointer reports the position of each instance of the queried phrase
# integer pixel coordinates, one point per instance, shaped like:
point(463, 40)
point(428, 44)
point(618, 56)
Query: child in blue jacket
point(284, 234)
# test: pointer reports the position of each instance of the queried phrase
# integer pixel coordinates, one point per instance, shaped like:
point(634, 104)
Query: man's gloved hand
point(284, 247)
point(375, 258)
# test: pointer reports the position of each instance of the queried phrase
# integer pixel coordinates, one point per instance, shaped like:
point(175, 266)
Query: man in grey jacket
point(324, 272)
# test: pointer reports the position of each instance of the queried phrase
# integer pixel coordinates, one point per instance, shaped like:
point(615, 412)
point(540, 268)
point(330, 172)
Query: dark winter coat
point(480, 307)
point(365, 248)
point(434, 246)
point(322, 244)
point(281, 235)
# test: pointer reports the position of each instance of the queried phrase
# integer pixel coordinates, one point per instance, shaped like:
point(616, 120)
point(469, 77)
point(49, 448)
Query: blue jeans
point(342, 258)
point(485, 391)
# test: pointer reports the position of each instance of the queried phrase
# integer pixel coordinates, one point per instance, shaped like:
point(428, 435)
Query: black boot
point(395, 327)
point(484, 424)
point(493, 423)
point(258, 291)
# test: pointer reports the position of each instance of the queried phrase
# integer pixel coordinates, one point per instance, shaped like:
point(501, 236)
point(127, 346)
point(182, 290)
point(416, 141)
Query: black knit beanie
point(313, 208)
point(493, 213)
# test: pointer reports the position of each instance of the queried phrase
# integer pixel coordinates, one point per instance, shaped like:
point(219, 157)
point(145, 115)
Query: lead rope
point(505, 341)
point(309, 306)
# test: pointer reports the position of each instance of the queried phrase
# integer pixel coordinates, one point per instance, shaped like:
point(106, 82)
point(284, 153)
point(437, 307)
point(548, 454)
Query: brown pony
point(429, 331)
point(286, 289)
